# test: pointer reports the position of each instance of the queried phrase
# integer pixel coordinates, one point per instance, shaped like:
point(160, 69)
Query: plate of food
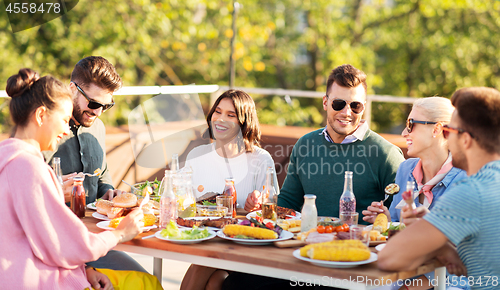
point(187, 236)
point(100, 216)
point(211, 223)
point(283, 213)
point(333, 264)
point(92, 206)
point(247, 235)
point(105, 225)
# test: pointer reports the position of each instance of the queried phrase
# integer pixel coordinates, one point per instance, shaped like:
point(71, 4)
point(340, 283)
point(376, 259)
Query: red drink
point(78, 197)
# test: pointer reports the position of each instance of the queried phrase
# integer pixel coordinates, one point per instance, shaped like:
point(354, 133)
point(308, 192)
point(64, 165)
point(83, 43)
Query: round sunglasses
point(94, 104)
point(356, 107)
point(411, 122)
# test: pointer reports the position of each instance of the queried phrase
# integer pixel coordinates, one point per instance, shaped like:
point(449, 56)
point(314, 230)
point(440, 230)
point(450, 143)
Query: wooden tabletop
point(266, 255)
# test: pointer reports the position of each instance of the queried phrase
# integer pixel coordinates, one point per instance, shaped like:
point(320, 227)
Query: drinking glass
point(227, 202)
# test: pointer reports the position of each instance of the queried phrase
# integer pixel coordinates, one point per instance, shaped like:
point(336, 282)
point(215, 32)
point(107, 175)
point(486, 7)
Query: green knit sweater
point(317, 167)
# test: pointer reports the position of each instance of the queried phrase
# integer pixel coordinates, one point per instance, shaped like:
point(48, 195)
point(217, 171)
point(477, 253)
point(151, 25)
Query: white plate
point(380, 247)
point(332, 264)
point(100, 216)
point(185, 242)
point(285, 235)
point(253, 214)
point(91, 206)
point(105, 226)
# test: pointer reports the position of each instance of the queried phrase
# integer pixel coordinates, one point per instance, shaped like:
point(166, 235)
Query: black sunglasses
point(447, 129)
point(356, 107)
point(94, 104)
point(410, 123)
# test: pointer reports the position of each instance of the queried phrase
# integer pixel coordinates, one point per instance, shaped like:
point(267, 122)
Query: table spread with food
point(324, 255)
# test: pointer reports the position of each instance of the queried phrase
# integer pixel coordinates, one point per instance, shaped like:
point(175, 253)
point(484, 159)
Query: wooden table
point(263, 260)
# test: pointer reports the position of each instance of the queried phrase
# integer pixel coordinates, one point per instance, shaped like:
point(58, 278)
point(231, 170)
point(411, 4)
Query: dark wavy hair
point(347, 76)
point(28, 92)
point(246, 114)
point(479, 111)
point(98, 71)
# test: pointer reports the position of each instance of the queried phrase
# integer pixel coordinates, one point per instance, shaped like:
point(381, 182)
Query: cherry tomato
point(345, 228)
point(338, 229)
point(320, 229)
point(328, 229)
point(270, 225)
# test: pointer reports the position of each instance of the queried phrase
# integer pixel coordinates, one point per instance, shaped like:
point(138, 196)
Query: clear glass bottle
point(78, 197)
point(56, 164)
point(347, 200)
point(408, 194)
point(174, 165)
point(230, 190)
point(309, 218)
point(269, 196)
point(186, 202)
point(168, 200)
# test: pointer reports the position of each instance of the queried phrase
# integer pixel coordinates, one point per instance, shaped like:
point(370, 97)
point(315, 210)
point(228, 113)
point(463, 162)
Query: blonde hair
point(436, 109)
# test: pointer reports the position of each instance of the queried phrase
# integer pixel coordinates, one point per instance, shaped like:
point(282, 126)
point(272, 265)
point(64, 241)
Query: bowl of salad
point(141, 188)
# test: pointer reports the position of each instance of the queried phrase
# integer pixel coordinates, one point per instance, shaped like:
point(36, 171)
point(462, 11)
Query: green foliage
point(407, 48)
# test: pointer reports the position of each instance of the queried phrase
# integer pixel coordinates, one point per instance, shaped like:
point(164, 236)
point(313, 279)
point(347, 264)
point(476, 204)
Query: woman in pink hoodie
point(43, 245)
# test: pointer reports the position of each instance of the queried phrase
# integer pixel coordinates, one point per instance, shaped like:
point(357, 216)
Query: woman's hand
point(98, 280)
point(112, 193)
point(67, 186)
point(253, 201)
point(409, 216)
point(130, 226)
point(373, 210)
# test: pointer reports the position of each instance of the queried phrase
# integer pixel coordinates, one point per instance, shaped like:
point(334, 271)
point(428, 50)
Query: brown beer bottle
point(78, 197)
point(230, 190)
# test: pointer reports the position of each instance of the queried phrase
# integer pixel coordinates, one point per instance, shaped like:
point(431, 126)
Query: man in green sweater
point(320, 158)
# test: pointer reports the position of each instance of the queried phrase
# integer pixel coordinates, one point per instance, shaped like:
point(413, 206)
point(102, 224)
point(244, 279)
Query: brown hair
point(28, 92)
point(479, 111)
point(98, 71)
point(346, 76)
point(246, 114)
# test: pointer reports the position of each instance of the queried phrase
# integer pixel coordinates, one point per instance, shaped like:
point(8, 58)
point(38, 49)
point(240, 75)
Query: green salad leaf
point(173, 232)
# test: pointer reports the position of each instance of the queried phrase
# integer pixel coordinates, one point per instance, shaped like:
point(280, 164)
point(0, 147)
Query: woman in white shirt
point(234, 127)
point(235, 152)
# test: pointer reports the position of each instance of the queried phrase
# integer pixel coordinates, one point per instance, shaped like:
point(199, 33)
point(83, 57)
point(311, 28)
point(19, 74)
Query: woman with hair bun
point(51, 243)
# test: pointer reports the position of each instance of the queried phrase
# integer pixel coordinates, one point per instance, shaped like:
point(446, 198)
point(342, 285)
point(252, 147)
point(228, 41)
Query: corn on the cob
point(380, 223)
point(357, 244)
point(253, 232)
point(114, 222)
point(149, 219)
point(338, 253)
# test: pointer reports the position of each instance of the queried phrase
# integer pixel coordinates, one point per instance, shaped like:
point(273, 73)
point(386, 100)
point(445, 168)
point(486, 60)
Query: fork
point(92, 174)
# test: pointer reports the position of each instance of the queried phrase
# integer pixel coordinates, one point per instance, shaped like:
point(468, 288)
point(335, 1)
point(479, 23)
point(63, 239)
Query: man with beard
point(93, 82)
point(320, 158)
point(461, 230)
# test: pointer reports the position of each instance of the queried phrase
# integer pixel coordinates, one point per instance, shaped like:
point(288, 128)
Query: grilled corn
point(252, 232)
point(149, 219)
point(380, 223)
point(340, 254)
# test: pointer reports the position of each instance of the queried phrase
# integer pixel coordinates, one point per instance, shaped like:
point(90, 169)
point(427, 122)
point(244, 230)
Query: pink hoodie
point(43, 245)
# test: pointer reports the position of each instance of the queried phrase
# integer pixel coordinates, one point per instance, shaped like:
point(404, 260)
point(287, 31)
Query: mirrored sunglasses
point(94, 104)
point(356, 107)
point(410, 123)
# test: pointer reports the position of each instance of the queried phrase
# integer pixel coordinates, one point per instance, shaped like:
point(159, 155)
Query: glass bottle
point(230, 190)
point(174, 165)
point(56, 164)
point(78, 197)
point(309, 218)
point(186, 203)
point(269, 197)
point(168, 200)
point(347, 200)
point(408, 194)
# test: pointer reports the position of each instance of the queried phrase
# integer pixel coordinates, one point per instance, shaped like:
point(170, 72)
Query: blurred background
point(412, 48)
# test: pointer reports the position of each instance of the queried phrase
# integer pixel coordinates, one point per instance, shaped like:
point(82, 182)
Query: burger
point(103, 206)
point(122, 205)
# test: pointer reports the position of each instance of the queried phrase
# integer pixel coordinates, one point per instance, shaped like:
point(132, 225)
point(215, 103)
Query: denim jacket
point(405, 173)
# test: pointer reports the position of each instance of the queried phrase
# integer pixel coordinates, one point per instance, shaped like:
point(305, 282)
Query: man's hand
point(253, 201)
point(448, 256)
point(111, 193)
point(98, 280)
point(67, 186)
point(370, 214)
point(409, 216)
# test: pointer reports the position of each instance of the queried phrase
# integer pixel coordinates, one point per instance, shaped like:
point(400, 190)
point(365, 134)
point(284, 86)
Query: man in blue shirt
point(461, 231)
